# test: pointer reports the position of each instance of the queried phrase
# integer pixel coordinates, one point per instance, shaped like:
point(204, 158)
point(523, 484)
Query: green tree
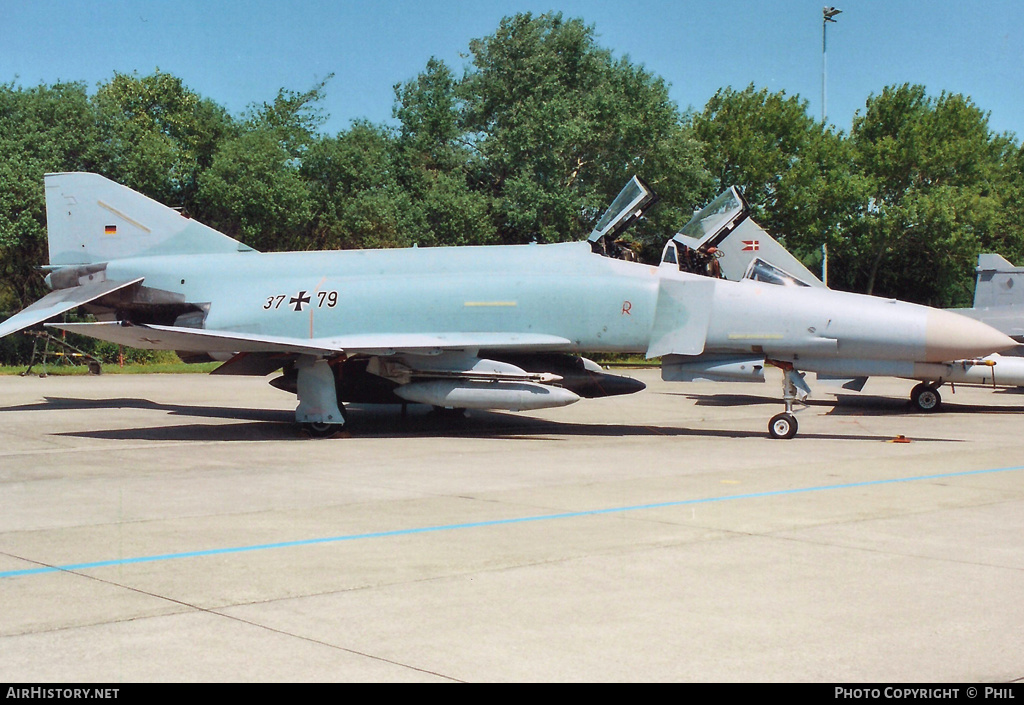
point(936, 173)
point(254, 189)
point(557, 126)
point(42, 129)
point(253, 193)
point(433, 162)
point(156, 135)
point(294, 118)
point(798, 177)
point(430, 112)
point(355, 190)
point(1009, 240)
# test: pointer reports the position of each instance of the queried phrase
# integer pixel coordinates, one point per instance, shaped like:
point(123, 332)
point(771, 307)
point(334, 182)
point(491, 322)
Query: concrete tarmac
point(178, 528)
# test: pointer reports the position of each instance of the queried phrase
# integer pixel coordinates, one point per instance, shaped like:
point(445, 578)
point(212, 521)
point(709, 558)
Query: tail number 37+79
point(319, 299)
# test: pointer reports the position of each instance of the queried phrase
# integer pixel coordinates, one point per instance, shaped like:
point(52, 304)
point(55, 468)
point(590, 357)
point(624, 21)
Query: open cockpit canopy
point(715, 220)
point(631, 203)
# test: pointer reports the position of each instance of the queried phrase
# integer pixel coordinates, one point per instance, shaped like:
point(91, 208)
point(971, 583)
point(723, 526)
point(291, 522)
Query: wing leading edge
point(154, 337)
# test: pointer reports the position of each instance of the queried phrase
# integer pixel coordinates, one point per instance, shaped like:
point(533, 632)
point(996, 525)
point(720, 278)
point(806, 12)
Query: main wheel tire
point(925, 397)
point(782, 425)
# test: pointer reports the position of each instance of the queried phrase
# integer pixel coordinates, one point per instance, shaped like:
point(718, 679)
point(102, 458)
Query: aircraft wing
point(59, 301)
point(153, 337)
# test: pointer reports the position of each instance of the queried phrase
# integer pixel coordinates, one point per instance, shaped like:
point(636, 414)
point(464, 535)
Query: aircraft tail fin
point(742, 248)
point(999, 283)
point(748, 252)
point(92, 219)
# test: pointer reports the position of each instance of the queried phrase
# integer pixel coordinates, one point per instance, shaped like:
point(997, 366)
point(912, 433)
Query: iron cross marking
point(298, 301)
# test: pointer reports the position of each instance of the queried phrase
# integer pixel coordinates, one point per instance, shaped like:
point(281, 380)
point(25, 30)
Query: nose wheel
point(325, 430)
point(782, 425)
point(794, 388)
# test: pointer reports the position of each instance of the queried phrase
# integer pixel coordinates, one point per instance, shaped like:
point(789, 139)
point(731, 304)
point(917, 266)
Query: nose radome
point(950, 336)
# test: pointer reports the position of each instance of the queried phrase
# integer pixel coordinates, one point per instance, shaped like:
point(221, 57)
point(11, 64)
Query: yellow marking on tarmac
point(479, 304)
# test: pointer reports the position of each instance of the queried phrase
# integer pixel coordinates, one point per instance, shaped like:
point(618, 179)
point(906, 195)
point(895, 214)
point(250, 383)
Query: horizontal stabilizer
point(60, 301)
point(198, 340)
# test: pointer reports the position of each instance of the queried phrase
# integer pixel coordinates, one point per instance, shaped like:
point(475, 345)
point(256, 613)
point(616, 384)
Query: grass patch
point(158, 368)
point(623, 360)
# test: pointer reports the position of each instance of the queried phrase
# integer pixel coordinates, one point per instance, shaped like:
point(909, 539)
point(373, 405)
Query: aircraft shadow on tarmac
point(864, 405)
point(387, 421)
point(856, 404)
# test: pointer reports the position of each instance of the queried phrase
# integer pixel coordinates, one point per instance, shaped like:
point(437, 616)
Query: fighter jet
point(743, 251)
point(494, 327)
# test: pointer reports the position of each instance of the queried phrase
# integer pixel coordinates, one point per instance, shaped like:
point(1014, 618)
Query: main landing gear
point(926, 397)
point(318, 412)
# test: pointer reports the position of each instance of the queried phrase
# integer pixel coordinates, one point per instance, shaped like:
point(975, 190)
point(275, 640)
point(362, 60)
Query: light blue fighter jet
point(497, 327)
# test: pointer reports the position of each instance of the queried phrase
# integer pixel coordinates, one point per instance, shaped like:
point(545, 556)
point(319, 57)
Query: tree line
point(530, 143)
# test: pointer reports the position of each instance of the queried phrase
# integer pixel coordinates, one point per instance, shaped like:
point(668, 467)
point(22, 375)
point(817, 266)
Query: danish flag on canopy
point(751, 245)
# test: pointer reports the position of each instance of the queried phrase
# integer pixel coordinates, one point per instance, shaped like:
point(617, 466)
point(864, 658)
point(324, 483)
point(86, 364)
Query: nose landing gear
point(782, 425)
point(794, 388)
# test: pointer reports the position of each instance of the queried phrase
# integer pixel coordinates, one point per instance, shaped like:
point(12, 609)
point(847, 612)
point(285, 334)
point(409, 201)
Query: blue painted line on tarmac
point(482, 524)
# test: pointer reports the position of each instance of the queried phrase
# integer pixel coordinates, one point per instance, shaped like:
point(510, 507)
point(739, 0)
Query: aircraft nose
point(950, 336)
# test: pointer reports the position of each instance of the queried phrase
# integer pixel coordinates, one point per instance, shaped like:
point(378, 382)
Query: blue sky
point(239, 53)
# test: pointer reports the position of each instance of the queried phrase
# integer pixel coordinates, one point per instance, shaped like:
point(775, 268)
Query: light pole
point(828, 14)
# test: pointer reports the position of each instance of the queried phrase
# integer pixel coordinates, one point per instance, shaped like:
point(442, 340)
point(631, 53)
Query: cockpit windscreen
point(761, 271)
